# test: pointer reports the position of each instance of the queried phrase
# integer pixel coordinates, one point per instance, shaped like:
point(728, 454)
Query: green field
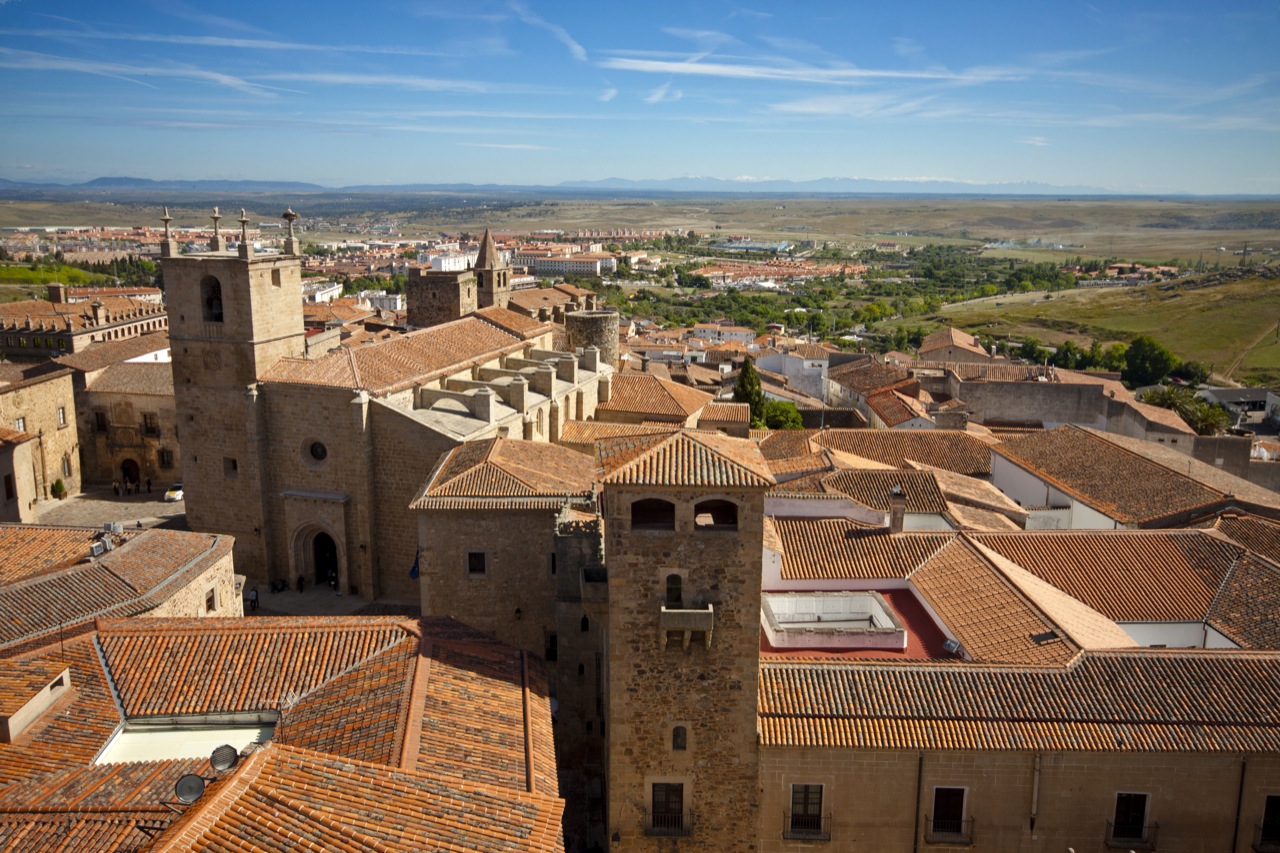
point(1216, 324)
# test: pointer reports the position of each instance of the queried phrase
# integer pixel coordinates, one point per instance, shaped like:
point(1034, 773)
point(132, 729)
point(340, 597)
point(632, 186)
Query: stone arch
point(316, 552)
point(211, 299)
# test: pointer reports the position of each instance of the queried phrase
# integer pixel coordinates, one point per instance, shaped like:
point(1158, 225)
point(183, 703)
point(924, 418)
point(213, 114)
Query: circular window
point(318, 451)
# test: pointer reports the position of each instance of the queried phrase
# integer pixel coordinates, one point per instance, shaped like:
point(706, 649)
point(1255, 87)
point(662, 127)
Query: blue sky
point(1127, 96)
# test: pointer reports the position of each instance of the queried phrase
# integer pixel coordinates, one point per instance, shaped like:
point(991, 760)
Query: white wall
point(1177, 635)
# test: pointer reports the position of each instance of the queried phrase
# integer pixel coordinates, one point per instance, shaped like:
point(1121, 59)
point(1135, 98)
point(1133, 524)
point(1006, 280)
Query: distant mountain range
point(670, 186)
point(822, 186)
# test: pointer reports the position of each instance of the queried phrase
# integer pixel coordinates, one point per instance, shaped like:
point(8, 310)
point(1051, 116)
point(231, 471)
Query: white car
point(174, 493)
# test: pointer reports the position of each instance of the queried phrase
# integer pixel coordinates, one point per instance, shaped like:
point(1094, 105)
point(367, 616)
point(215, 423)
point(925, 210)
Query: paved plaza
point(98, 505)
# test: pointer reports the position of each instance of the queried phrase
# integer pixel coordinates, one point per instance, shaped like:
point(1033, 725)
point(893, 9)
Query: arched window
point(679, 738)
point(675, 591)
point(211, 299)
point(653, 514)
point(586, 624)
point(715, 515)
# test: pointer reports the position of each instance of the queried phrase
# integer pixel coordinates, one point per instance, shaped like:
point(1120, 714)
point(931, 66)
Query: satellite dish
point(189, 788)
point(224, 758)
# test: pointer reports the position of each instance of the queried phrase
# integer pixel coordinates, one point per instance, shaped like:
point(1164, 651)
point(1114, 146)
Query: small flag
point(413, 572)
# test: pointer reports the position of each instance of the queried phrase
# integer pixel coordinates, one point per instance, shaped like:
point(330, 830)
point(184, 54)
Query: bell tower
point(493, 274)
point(232, 315)
point(684, 527)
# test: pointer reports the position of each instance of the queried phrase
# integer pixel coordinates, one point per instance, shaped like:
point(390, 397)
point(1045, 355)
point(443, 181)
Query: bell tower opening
point(211, 299)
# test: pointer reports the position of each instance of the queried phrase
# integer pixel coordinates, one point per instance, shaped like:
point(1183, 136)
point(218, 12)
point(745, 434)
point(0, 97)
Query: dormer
point(27, 691)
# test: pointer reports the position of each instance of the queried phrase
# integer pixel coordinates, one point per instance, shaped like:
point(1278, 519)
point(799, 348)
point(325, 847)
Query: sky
point(1131, 97)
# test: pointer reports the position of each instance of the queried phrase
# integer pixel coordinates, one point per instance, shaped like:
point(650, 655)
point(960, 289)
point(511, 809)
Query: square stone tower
point(684, 537)
point(233, 314)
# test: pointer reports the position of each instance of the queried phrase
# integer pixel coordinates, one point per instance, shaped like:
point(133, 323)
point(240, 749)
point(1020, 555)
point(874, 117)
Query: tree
point(779, 414)
point(1202, 416)
point(748, 391)
point(1146, 361)
point(1192, 372)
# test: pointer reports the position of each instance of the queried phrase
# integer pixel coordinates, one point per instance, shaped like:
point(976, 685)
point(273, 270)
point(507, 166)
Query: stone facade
point(212, 593)
point(869, 798)
point(130, 431)
point(682, 681)
point(17, 477)
point(44, 406)
point(436, 297)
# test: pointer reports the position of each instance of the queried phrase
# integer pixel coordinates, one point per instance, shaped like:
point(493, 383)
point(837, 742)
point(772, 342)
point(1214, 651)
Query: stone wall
point(435, 297)
point(871, 797)
point(47, 409)
point(17, 473)
point(709, 691)
point(104, 453)
point(191, 600)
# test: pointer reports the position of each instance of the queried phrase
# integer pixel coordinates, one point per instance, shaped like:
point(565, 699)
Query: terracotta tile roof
point(103, 353)
point(149, 378)
point(1107, 477)
point(649, 395)
point(949, 449)
point(534, 298)
point(729, 413)
point(1106, 701)
point(1246, 606)
point(76, 316)
point(1129, 576)
point(894, 408)
point(684, 459)
point(960, 490)
point(964, 517)
point(813, 352)
point(582, 435)
point(950, 337)
point(283, 798)
point(986, 612)
point(20, 680)
point(274, 659)
point(506, 468)
point(839, 548)
point(872, 489)
point(27, 549)
point(1242, 491)
point(1258, 534)
point(797, 467)
point(513, 322)
point(788, 443)
point(338, 312)
point(143, 571)
point(1088, 628)
point(864, 377)
point(403, 361)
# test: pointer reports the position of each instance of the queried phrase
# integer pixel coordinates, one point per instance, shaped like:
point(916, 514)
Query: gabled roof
point(950, 449)
point(507, 468)
point(872, 488)
point(100, 354)
point(147, 378)
point(950, 337)
point(512, 322)
point(840, 548)
point(649, 395)
point(403, 361)
point(1113, 480)
point(1110, 701)
point(864, 377)
point(732, 413)
point(684, 459)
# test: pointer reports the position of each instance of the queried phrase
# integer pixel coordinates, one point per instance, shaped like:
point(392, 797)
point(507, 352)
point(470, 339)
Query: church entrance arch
point(129, 471)
point(318, 555)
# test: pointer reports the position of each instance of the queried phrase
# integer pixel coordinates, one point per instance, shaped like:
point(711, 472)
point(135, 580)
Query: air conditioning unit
point(96, 549)
point(117, 527)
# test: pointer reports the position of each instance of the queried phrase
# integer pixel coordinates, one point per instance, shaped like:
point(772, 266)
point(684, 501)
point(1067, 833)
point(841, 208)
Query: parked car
point(174, 493)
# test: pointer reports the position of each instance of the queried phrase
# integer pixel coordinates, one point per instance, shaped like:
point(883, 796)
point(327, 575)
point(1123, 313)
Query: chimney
point(518, 394)
point(544, 380)
point(57, 293)
point(897, 509)
point(567, 369)
point(482, 405)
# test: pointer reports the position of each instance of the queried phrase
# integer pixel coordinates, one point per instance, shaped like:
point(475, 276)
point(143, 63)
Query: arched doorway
point(324, 554)
point(129, 471)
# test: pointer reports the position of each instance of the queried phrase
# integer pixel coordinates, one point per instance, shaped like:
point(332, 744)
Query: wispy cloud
point(27, 60)
point(1038, 141)
point(608, 95)
point(187, 12)
point(487, 46)
point(862, 105)
point(399, 81)
point(803, 74)
point(663, 94)
point(512, 146)
point(561, 34)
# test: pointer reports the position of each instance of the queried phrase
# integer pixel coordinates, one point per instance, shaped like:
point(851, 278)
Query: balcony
point(1266, 838)
point(686, 622)
point(1131, 836)
point(948, 830)
point(803, 827)
point(668, 823)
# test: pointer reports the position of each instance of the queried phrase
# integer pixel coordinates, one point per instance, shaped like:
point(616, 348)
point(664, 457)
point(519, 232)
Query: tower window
point(586, 624)
point(653, 514)
point(230, 468)
point(675, 591)
point(476, 563)
point(211, 299)
point(679, 738)
point(716, 515)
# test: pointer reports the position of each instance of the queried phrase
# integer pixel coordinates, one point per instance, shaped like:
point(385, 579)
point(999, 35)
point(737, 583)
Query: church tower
point(232, 315)
point(493, 274)
point(684, 522)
